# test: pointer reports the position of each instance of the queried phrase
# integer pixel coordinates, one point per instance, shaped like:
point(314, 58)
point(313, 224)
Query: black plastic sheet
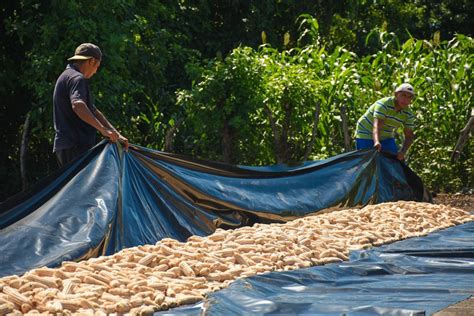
point(109, 200)
point(417, 276)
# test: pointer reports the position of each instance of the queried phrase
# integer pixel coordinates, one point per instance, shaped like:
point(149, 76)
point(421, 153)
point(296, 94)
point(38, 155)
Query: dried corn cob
point(15, 296)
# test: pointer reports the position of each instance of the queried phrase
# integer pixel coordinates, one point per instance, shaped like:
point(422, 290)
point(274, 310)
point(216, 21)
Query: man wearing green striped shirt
point(376, 128)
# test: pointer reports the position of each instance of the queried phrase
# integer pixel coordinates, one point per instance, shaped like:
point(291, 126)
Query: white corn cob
point(92, 279)
point(120, 291)
point(42, 272)
point(54, 307)
point(186, 269)
point(71, 305)
point(50, 282)
point(111, 298)
point(15, 296)
point(68, 287)
point(147, 259)
point(122, 307)
point(6, 308)
point(187, 299)
point(30, 286)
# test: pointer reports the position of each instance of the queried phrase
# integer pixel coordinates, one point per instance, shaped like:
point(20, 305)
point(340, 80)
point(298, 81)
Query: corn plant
point(306, 102)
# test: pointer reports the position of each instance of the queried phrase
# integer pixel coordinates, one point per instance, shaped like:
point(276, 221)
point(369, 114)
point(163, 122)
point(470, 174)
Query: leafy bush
point(271, 99)
point(291, 99)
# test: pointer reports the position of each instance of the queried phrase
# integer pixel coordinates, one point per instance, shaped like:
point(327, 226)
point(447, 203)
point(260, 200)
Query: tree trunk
point(276, 133)
point(227, 133)
point(463, 136)
point(25, 139)
point(345, 129)
point(227, 138)
point(170, 135)
point(314, 132)
point(284, 144)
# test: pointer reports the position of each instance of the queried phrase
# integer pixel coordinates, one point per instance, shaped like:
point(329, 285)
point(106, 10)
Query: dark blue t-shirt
point(70, 129)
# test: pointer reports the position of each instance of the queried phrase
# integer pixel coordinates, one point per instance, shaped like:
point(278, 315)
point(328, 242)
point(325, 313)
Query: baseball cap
point(86, 51)
point(405, 87)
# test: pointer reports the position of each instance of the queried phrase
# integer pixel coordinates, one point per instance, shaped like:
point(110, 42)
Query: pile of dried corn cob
point(148, 278)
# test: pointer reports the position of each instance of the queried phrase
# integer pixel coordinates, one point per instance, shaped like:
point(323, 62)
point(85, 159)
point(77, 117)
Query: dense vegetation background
point(240, 81)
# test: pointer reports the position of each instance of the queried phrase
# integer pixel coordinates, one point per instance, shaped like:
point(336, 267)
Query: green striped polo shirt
point(384, 109)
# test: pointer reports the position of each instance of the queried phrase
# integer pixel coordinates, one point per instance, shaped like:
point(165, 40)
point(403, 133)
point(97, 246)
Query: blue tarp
point(109, 200)
point(416, 276)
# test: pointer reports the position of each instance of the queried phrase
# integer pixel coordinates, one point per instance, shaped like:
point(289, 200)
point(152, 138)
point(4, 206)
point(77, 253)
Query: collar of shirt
point(72, 66)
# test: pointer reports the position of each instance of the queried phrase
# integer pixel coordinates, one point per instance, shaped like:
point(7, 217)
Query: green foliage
point(442, 73)
point(162, 85)
point(285, 86)
point(137, 49)
point(141, 41)
point(218, 107)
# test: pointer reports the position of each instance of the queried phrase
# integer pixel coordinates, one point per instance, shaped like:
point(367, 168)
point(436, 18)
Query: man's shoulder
point(384, 104)
point(71, 73)
point(386, 101)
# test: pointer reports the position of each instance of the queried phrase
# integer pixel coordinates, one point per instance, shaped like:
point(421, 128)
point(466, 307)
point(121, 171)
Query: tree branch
point(314, 131)
point(276, 133)
point(25, 139)
point(345, 129)
point(463, 137)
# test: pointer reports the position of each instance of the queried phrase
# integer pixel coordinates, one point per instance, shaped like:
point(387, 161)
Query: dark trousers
point(387, 144)
point(67, 155)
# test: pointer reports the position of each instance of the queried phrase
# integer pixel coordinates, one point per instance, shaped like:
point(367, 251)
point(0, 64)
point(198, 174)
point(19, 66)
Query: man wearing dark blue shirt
point(76, 118)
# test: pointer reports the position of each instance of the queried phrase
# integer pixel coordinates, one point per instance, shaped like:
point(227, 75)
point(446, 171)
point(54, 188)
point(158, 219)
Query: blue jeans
point(387, 144)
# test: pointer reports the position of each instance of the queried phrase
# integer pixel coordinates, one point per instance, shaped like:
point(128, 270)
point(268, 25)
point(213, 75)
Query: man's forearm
point(376, 131)
point(102, 119)
point(116, 133)
point(376, 135)
point(406, 144)
point(81, 109)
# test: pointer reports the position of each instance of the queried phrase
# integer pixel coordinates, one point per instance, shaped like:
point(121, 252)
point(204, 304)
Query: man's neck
point(397, 107)
point(82, 68)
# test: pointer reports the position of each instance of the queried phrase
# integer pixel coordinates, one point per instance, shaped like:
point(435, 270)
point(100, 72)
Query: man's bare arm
point(409, 137)
point(81, 109)
point(98, 114)
point(378, 123)
point(101, 117)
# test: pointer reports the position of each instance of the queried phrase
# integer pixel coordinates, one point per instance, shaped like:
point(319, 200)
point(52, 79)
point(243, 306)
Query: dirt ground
point(462, 201)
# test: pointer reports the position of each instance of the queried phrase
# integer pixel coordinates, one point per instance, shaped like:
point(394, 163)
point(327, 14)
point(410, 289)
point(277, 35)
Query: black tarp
point(109, 200)
point(416, 276)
